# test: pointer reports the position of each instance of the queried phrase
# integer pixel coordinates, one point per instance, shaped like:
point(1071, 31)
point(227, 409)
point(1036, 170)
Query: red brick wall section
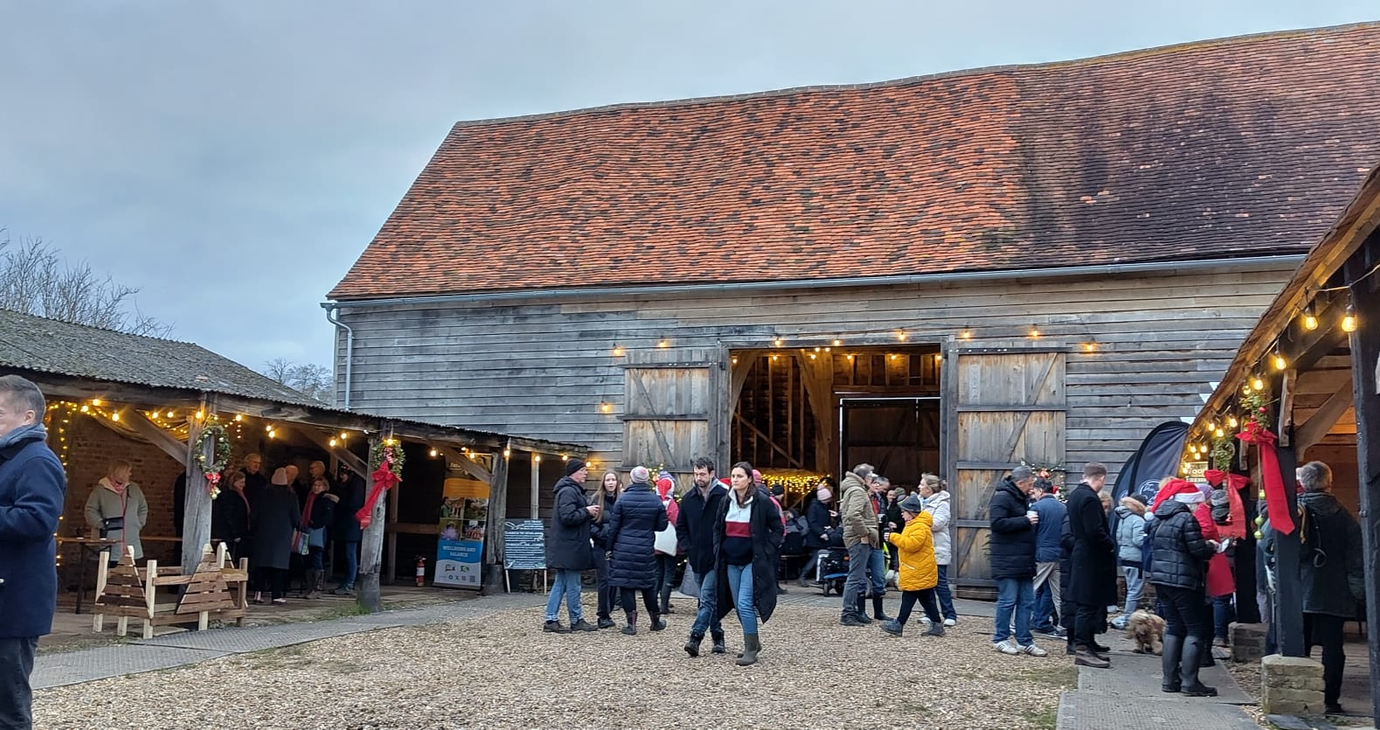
point(92, 448)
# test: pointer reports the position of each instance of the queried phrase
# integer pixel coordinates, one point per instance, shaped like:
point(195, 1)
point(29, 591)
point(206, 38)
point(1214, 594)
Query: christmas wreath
point(211, 468)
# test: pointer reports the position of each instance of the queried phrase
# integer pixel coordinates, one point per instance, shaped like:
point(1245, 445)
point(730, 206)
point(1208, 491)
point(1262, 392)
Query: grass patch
point(1063, 676)
point(1043, 718)
point(344, 611)
point(287, 657)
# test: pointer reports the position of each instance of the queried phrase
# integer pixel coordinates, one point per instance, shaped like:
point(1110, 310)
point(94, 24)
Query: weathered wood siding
point(544, 368)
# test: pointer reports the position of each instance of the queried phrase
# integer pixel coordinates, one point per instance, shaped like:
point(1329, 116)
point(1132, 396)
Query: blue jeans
point(1135, 588)
point(1016, 594)
point(876, 565)
point(946, 599)
point(347, 579)
point(740, 585)
point(567, 584)
point(707, 615)
point(1044, 609)
point(1223, 613)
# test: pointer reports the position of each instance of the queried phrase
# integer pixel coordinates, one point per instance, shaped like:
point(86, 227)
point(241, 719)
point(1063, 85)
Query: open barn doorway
point(802, 413)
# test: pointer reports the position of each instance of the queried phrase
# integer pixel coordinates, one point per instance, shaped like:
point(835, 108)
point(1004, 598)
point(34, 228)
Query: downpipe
point(333, 316)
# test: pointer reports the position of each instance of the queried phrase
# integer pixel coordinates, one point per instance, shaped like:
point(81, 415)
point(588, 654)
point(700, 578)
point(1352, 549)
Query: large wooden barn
point(951, 273)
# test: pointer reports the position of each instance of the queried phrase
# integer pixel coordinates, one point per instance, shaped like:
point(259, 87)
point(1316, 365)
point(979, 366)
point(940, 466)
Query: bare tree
point(35, 279)
point(310, 379)
point(279, 368)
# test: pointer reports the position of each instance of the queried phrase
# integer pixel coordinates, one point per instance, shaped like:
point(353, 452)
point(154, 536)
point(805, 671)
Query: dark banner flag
point(1159, 456)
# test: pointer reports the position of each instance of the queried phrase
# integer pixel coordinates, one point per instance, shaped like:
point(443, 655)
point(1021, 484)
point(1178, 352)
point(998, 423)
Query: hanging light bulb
point(1219, 433)
point(1310, 320)
point(1257, 383)
point(1349, 321)
point(1278, 359)
point(1231, 421)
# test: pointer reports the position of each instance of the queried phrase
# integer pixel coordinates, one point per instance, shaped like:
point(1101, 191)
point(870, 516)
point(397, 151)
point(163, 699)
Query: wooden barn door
point(671, 416)
point(1004, 405)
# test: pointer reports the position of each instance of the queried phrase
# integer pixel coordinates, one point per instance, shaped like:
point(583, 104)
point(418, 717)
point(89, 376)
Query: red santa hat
point(664, 487)
point(1173, 488)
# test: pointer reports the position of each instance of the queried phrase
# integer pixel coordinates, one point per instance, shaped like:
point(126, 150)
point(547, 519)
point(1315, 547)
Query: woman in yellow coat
point(919, 574)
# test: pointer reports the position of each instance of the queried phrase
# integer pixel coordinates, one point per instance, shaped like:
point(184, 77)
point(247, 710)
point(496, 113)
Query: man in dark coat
point(1332, 575)
point(1178, 567)
point(276, 516)
point(568, 548)
point(32, 487)
point(1092, 578)
point(347, 532)
point(1012, 546)
point(631, 534)
point(255, 482)
point(695, 534)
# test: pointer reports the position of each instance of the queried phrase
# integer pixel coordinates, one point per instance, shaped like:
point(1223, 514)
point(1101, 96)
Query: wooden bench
point(127, 591)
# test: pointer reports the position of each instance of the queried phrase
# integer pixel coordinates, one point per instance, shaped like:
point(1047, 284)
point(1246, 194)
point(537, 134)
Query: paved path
point(1128, 697)
point(190, 647)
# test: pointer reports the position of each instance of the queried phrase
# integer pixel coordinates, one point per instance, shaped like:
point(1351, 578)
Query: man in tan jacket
point(859, 520)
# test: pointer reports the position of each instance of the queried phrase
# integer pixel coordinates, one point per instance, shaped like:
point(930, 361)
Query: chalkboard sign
point(524, 545)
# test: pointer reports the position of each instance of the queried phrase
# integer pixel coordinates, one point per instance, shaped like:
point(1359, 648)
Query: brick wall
point(91, 449)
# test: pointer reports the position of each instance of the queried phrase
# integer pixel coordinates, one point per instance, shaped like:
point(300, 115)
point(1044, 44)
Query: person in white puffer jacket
point(935, 492)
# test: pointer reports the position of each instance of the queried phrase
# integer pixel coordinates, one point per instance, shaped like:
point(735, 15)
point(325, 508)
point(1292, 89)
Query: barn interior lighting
point(434, 453)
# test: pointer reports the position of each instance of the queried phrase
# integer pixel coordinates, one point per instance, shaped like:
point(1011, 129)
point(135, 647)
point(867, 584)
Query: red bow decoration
point(384, 480)
point(1275, 502)
point(212, 480)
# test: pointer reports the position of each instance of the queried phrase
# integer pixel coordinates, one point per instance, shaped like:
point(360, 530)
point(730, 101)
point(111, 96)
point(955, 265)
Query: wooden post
point(196, 520)
point(536, 485)
point(1288, 552)
point(371, 548)
point(494, 574)
point(1365, 370)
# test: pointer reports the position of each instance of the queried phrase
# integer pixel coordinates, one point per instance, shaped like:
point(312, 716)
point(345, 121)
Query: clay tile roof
point(1244, 146)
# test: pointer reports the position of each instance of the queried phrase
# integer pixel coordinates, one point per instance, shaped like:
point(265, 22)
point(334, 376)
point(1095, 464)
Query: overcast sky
point(233, 158)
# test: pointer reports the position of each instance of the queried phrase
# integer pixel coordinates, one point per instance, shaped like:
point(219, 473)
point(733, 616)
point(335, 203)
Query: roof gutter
point(333, 316)
point(754, 286)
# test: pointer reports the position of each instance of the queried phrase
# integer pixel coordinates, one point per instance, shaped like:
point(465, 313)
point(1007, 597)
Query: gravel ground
point(501, 671)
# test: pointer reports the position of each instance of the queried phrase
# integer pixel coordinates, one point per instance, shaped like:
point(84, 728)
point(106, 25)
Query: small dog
point(1147, 630)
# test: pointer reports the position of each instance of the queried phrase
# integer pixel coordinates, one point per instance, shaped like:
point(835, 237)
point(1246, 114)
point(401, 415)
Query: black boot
point(1189, 666)
point(718, 637)
point(658, 623)
point(877, 611)
point(1170, 656)
point(860, 611)
point(631, 628)
point(692, 647)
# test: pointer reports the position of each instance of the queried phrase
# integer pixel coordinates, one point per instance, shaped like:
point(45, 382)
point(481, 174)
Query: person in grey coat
point(116, 500)
point(276, 516)
point(631, 535)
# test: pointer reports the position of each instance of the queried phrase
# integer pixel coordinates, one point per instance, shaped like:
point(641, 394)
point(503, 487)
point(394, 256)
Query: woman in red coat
point(1220, 581)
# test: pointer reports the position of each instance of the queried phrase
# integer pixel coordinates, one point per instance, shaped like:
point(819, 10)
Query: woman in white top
point(935, 492)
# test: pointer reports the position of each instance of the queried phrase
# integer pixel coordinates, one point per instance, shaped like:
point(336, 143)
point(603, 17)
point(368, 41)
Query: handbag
point(301, 544)
point(688, 585)
point(112, 524)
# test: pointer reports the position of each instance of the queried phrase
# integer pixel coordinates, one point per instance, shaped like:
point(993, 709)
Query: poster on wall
point(460, 549)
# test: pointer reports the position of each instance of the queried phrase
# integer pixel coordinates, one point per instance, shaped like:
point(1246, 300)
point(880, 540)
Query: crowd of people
point(282, 524)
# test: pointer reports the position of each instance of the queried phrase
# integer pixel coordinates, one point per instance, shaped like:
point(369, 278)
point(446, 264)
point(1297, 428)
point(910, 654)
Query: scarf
point(24, 433)
point(116, 488)
point(306, 512)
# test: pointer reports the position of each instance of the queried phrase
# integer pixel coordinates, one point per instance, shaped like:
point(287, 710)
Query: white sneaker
point(1033, 650)
point(1006, 647)
point(924, 621)
point(1118, 623)
point(950, 622)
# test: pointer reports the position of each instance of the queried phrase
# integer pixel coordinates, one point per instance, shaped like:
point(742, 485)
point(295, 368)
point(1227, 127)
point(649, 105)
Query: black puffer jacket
point(1180, 553)
point(817, 515)
point(1013, 537)
point(1334, 579)
point(567, 542)
point(631, 534)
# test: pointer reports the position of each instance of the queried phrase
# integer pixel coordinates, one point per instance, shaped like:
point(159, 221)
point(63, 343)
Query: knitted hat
point(823, 494)
point(664, 487)
point(280, 477)
point(640, 474)
point(777, 490)
point(912, 504)
point(1140, 498)
point(573, 466)
point(756, 477)
point(1218, 497)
